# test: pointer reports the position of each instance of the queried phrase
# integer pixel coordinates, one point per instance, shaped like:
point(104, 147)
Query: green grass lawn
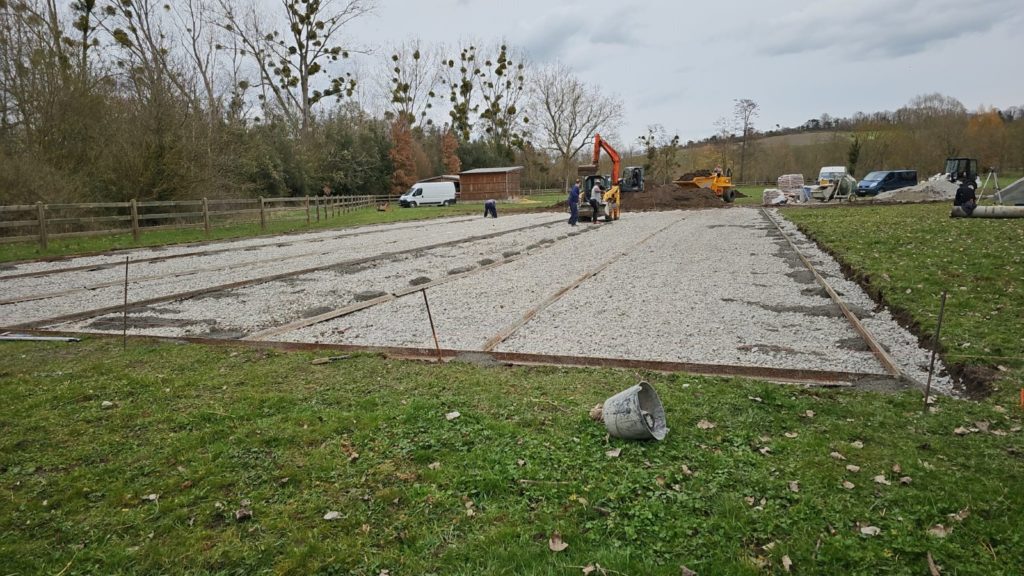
point(278, 224)
point(195, 434)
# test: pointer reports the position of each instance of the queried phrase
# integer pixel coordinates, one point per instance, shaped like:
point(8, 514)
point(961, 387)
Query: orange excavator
point(630, 179)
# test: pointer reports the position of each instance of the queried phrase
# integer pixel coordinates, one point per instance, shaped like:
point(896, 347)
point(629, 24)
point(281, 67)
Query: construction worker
point(491, 207)
point(574, 203)
point(611, 202)
point(965, 198)
point(595, 201)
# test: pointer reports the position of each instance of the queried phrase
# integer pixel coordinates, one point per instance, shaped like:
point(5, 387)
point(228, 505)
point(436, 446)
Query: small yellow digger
point(713, 180)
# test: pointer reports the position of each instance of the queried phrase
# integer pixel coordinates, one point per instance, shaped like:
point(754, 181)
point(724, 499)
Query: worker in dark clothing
point(966, 198)
point(491, 207)
point(574, 203)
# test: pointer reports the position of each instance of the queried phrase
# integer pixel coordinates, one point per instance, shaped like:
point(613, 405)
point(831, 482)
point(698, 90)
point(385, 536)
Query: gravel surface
point(229, 313)
point(242, 262)
point(709, 286)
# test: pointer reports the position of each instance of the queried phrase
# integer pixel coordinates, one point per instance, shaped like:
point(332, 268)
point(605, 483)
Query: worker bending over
point(611, 202)
point(491, 207)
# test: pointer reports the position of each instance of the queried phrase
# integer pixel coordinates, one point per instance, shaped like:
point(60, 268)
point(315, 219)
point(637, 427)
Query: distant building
point(486, 183)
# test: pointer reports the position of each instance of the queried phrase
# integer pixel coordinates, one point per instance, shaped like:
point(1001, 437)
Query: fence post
point(206, 216)
point(308, 219)
point(263, 215)
point(135, 218)
point(316, 199)
point(41, 213)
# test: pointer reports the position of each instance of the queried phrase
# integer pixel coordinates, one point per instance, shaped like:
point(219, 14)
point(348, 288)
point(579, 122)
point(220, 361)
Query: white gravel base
point(469, 311)
point(712, 287)
point(245, 263)
point(231, 312)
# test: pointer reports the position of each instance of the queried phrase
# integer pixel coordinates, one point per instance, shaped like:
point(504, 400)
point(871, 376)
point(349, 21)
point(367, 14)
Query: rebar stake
point(935, 347)
point(430, 317)
point(124, 313)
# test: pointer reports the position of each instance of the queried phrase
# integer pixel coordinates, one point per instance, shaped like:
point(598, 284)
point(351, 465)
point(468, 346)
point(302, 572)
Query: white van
point(426, 193)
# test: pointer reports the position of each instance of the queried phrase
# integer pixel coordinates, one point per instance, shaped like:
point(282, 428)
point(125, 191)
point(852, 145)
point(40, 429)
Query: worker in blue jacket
point(574, 203)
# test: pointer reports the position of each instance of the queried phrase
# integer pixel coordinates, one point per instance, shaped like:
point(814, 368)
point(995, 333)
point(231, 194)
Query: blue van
point(886, 180)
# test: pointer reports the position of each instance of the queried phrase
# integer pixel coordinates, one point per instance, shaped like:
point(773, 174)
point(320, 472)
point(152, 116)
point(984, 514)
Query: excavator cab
point(632, 179)
point(962, 170)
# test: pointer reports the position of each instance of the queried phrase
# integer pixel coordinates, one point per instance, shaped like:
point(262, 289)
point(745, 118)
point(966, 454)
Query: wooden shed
point(490, 183)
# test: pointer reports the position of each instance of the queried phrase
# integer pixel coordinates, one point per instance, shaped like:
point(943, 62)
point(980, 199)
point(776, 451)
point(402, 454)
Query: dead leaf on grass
point(787, 564)
point(940, 531)
point(983, 426)
point(961, 515)
point(1015, 429)
point(961, 431)
point(852, 468)
point(349, 451)
point(434, 465)
point(451, 416)
point(790, 435)
point(520, 462)
point(613, 453)
point(556, 544)
point(896, 469)
point(332, 515)
point(589, 568)
point(870, 530)
point(809, 413)
point(705, 425)
point(686, 470)
point(151, 497)
point(659, 481)
point(933, 568)
point(880, 479)
point(837, 456)
point(849, 485)
point(597, 413)
point(999, 409)
point(754, 398)
point(764, 450)
point(794, 486)
point(857, 444)
point(687, 571)
point(906, 480)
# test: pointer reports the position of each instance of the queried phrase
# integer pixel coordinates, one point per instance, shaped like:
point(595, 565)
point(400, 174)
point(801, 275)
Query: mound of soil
point(696, 174)
point(927, 191)
point(671, 197)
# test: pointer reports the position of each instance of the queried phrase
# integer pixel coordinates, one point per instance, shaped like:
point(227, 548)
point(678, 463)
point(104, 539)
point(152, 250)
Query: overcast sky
point(681, 64)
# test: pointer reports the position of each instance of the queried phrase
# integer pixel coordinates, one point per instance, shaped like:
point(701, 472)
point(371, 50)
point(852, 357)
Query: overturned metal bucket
point(635, 414)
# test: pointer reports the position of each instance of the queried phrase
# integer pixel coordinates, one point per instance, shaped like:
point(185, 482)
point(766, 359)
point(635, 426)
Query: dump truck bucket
point(586, 170)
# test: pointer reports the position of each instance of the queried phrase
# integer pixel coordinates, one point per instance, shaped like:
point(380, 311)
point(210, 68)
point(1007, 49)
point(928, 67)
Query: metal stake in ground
point(935, 346)
point(124, 315)
point(430, 317)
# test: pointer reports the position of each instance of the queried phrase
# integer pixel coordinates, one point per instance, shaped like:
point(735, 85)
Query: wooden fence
point(41, 222)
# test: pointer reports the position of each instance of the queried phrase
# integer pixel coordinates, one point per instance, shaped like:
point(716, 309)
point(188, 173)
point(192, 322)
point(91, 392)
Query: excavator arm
point(601, 144)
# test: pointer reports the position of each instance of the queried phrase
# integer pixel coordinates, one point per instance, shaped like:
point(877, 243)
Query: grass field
point(282, 223)
point(196, 438)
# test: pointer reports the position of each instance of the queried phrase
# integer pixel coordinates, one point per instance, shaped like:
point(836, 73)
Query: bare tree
point(290, 62)
point(744, 113)
point(566, 113)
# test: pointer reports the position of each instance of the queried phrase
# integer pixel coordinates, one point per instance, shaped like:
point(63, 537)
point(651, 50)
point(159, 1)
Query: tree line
point(108, 100)
point(919, 135)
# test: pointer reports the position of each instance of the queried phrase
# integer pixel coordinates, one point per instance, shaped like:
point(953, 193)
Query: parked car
point(886, 180)
point(426, 193)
